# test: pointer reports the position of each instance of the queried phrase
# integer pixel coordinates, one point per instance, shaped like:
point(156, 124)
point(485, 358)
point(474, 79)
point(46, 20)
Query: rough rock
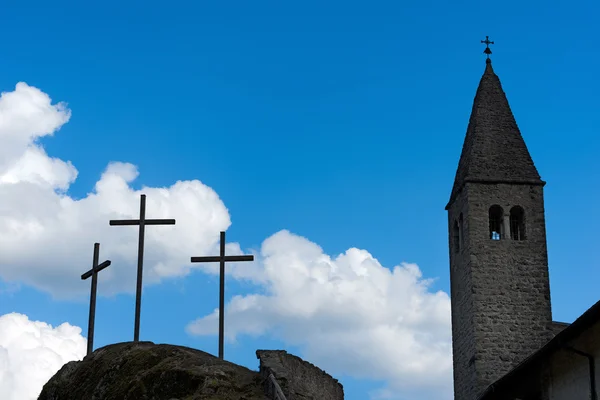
point(297, 378)
point(145, 371)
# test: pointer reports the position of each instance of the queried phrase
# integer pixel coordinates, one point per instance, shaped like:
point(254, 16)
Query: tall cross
point(142, 222)
point(487, 43)
point(94, 274)
point(222, 259)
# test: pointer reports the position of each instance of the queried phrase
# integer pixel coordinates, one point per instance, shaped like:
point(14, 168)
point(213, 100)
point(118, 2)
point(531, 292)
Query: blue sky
point(341, 123)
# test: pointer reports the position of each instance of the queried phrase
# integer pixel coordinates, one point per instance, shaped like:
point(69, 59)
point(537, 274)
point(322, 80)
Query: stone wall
point(557, 327)
point(500, 289)
point(462, 302)
point(298, 379)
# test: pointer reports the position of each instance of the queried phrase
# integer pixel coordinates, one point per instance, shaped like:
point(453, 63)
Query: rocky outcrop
point(145, 371)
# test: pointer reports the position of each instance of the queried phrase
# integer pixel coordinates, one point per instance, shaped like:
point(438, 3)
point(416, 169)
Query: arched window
point(496, 215)
point(517, 223)
point(456, 237)
point(461, 231)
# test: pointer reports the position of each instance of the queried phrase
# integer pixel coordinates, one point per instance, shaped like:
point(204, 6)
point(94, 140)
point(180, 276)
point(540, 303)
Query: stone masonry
point(500, 292)
point(298, 379)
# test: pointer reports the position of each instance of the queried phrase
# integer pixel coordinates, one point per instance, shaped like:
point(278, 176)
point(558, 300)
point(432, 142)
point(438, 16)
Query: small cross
point(142, 222)
point(487, 43)
point(94, 274)
point(222, 259)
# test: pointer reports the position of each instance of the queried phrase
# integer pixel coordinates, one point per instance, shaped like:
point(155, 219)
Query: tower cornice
point(494, 182)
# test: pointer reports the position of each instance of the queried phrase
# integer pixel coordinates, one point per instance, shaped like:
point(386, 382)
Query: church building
point(505, 345)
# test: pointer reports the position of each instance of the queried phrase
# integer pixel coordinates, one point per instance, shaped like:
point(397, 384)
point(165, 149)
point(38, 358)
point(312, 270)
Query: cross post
point(142, 222)
point(221, 259)
point(94, 274)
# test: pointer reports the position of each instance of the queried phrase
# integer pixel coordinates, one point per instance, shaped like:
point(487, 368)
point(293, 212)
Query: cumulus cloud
point(26, 115)
point(46, 237)
point(349, 313)
point(31, 352)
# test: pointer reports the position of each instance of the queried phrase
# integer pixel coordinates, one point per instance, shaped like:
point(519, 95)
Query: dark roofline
point(493, 182)
point(586, 320)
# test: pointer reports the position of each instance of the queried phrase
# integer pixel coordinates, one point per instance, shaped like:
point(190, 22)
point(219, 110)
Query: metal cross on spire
point(487, 43)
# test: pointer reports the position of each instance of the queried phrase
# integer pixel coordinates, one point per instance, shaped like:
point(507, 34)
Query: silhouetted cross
point(487, 43)
point(221, 259)
point(94, 274)
point(142, 222)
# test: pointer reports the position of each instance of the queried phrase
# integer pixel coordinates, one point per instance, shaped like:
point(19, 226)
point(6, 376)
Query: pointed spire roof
point(494, 150)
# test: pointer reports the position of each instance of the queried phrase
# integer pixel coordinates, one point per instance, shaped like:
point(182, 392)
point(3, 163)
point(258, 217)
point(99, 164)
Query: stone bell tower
point(499, 280)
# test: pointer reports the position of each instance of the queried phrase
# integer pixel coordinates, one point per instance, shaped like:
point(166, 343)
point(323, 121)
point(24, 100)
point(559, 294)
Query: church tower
point(499, 280)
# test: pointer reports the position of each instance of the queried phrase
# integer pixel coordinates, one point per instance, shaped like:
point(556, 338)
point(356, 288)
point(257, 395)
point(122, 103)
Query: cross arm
point(218, 258)
point(122, 222)
point(99, 268)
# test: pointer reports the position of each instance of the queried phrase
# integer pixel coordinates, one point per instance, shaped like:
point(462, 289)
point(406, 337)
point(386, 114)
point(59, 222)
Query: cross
point(94, 274)
point(487, 43)
point(222, 259)
point(142, 222)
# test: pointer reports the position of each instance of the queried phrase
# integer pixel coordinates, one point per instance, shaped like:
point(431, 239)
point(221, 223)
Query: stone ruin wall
point(298, 379)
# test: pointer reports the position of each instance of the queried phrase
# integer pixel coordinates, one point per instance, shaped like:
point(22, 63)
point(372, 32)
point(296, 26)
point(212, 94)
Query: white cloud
point(46, 237)
point(350, 314)
point(31, 352)
point(27, 114)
